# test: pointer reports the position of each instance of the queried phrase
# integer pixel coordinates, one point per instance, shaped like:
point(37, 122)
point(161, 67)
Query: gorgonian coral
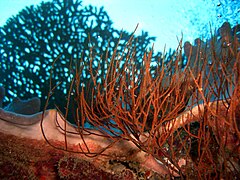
point(182, 113)
point(187, 118)
point(32, 39)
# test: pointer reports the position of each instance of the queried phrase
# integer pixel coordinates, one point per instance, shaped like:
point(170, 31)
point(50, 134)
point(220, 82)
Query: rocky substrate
point(24, 158)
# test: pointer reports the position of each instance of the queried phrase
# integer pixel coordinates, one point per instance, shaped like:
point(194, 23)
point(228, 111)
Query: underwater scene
point(100, 89)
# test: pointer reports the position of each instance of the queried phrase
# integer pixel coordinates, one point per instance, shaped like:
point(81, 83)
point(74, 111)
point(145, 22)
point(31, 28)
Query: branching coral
point(31, 40)
point(187, 118)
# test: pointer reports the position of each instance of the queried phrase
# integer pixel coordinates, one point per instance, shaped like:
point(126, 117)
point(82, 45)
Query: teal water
point(33, 36)
point(164, 19)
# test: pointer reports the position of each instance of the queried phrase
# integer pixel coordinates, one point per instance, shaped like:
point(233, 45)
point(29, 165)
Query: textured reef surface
point(154, 116)
point(23, 158)
point(52, 147)
point(26, 155)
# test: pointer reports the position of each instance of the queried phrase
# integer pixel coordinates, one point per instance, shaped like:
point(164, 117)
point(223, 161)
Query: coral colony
point(121, 111)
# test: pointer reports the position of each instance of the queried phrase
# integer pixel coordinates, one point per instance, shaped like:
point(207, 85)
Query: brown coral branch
point(126, 101)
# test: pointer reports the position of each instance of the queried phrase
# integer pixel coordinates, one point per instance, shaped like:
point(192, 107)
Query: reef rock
point(54, 126)
point(27, 107)
point(18, 106)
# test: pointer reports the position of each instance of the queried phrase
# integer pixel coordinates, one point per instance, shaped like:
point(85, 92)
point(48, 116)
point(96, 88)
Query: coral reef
point(31, 40)
point(143, 115)
point(22, 112)
point(30, 159)
point(185, 117)
point(24, 153)
point(26, 107)
point(179, 117)
point(20, 119)
point(148, 121)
